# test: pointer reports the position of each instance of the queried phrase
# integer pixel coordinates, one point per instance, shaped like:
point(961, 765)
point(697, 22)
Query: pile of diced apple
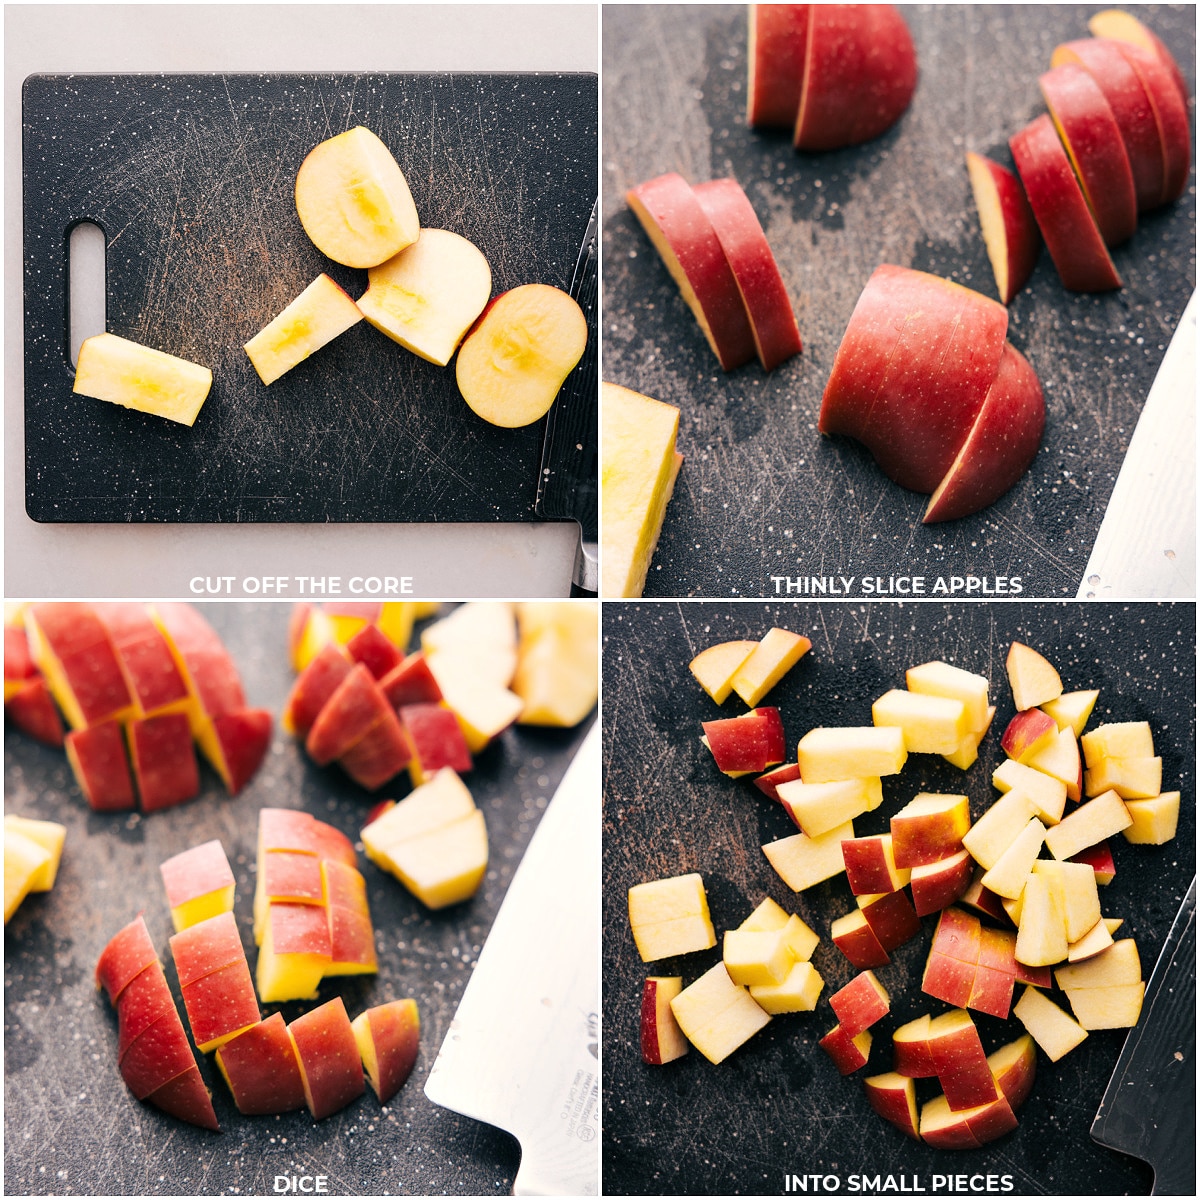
point(1114, 143)
point(32, 852)
point(138, 685)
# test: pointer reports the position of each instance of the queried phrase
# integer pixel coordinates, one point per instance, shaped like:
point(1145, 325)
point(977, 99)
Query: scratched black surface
point(71, 1127)
point(760, 493)
point(777, 1105)
point(191, 177)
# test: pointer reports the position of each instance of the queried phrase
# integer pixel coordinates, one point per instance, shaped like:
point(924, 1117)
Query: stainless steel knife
point(522, 1052)
point(1146, 546)
point(1149, 1109)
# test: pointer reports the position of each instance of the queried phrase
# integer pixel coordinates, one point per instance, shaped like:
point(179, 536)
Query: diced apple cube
point(1054, 1031)
point(849, 1053)
point(942, 679)
point(1154, 821)
point(716, 1015)
point(1071, 710)
point(798, 992)
point(862, 1002)
point(1115, 1007)
point(1130, 778)
point(930, 724)
point(1049, 795)
point(1121, 739)
point(670, 916)
point(929, 828)
point(850, 752)
point(994, 832)
point(662, 1039)
point(754, 957)
point(819, 807)
point(1042, 933)
point(772, 658)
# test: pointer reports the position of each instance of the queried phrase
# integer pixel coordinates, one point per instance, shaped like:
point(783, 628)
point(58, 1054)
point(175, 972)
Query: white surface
point(136, 560)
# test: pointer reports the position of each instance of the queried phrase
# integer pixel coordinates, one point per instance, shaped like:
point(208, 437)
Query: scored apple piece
point(716, 1015)
point(153, 679)
point(1125, 27)
point(749, 743)
point(100, 763)
point(164, 760)
point(123, 372)
point(662, 1040)
point(1042, 930)
point(353, 200)
point(947, 1128)
point(199, 884)
point(801, 861)
point(910, 1049)
point(1010, 234)
point(30, 707)
point(1075, 887)
point(295, 952)
point(518, 355)
point(769, 782)
point(938, 884)
point(388, 1037)
point(260, 1068)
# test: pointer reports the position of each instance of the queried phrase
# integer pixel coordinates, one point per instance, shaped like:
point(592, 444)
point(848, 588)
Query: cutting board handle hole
point(86, 285)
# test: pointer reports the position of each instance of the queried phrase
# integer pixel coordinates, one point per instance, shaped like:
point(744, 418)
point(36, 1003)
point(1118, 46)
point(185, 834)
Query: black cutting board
point(191, 177)
point(70, 1124)
point(777, 1106)
point(760, 492)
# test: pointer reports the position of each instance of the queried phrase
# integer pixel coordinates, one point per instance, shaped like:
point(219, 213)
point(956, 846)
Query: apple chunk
point(330, 1066)
point(716, 667)
point(428, 295)
point(1009, 231)
point(388, 1037)
point(199, 884)
point(353, 200)
point(260, 1067)
point(122, 372)
point(716, 1015)
point(662, 1039)
point(1032, 677)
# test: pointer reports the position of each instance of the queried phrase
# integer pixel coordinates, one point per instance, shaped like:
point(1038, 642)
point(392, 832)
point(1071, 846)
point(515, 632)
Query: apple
point(959, 1060)
point(662, 1039)
point(1074, 885)
point(1010, 232)
point(849, 1053)
point(1060, 759)
point(187, 1098)
point(1121, 739)
point(316, 683)
point(1031, 676)
point(1047, 794)
point(930, 724)
point(981, 899)
point(379, 756)
point(946, 1128)
point(716, 1015)
point(1099, 858)
point(260, 1067)
point(123, 372)
point(356, 706)
point(954, 683)
point(24, 861)
point(929, 828)
point(715, 667)
point(891, 917)
point(1054, 1031)
point(798, 992)
point(1041, 931)
point(374, 649)
point(957, 936)
point(206, 947)
point(1088, 824)
point(778, 38)
point(50, 836)
point(775, 655)
point(388, 1037)
point(949, 979)
point(353, 200)
point(640, 468)
point(751, 742)
point(910, 1049)
point(291, 829)
point(164, 761)
point(871, 865)
point(220, 1005)
point(144, 1001)
point(19, 667)
point(1093, 142)
point(199, 884)
point(1130, 778)
point(1154, 821)
point(756, 957)
point(968, 749)
point(293, 876)
point(31, 709)
point(670, 916)
point(428, 296)
point(1125, 27)
point(327, 1051)
point(860, 71)
point(938, 884)
point(1028, 733)
point(769, 917)
point(436, 740)
point(411, 682)
point(1096, 939)
point(994, 832)
point(444, 798)
point(1116, 1007)
point(991, 991)
point(557, 674)
point(1071, 710)
point(801, 861)
point(295, 952)
point(862, 1002)
point(1058, 203)
point(769, 783)
point(854, 937)
point(150, 672)
point(827, 755)
point(734, 221)
point(1008, 876)
point(1014, 1067)
point(485, 628)
point(683, 235)
point(156, 1056)
point(519, 353)
point(128, 953)
point(351, 934)
point(817, 808)
point(1119, 965)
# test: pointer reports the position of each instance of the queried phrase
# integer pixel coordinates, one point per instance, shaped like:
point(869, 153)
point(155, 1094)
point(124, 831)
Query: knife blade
point(1146, 546)
point(522, 1052)
point(567, 477)
point(1149, 1107)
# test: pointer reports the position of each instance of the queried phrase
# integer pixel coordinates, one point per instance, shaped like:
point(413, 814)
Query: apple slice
point(351, 934)
point(662, 1039)
point(817, 808)
point(199, 884)
point(1099, 858)
point(773, 657)
point(683, 235)
point(1010, 232)
point(379, 756)
point(871, 865)
point(1008, 876)
point(388, 1037)
point(670, 916)
point(319, 314)
point(327, 1051)
point(894, 1098)
point(557, 677)
point(1062, 214)
point(221, 1005)
point(930, 724)
point(1047, 794)
point(101, 768)
point(119, 371)
point(1054, 1031)
point(24, 861)
point(428, 295)
point(356, 706)
point(1116, 1007)
point(801, 861)
point(769, 783)
point(947, 1128)
point(1072, 709)
point(716, 1015)
point(891, 917)
point(1032, 678)
point(1154, 821)
point(1042, 930)
point(30, 707)
point(959, 1060)
point(1014, 1067)
point(519, 353)
point(827, 755)
point(954, 683)
point(50, 836)
point(910, 1049)
point(1130, 778)
point(1060, 760)
point(994, 832)
point(1088, 824)
point(353, 200)
point(436, 740)
point(127, 954)
point(736, 224)
point(1029, 732)
point(929, 828)
point(260, 1067)
point(938, 884)
point(778, 37)
point(295, 953)
point(153, 679)
point(412, 682)
point(1121, 739)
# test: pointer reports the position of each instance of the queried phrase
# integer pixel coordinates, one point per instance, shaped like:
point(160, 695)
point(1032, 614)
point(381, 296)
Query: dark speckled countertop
point(761, 493)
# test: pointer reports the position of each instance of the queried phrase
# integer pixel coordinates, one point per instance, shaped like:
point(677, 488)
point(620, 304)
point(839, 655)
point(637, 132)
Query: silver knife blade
point(522, 1052)
point(1146, 546)
point(1149, 1107)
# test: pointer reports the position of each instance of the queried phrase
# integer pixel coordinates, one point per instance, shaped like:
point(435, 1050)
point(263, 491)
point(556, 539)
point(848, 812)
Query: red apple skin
point(958, 935)
point(1067, 225)
point(776, 741)
point(244, 736)
point(998, 951)
point(348, 716)
point(371, 647)
point(939, 884)
point(75, 636)
point(912, 1058)
point(286, 829)
point(213, 673)
point(145, 1000)
point(736, 224)
point(299, 929)
point(1035, 976)
point(328, 1054)
point(994, 1121)
point(68, 628)
point(912, 399)
point(862, 947)
point(205, 947)
point(1016, 1082)
point(892, 919)
point(156, 1056)
point(769, 783)
point(1170, 115)
point(221, 1002)
point(846, 1057)
point(1131, 108)
point(1001, 445)
point(195, 873)
point(893, 1101)
point(1025, 730)
point(866, 865)
point(333, 844)
point(144, 654)
point(991, 992)
point(954, 1136)
point(396, 1031)
point(18, 662)
point(351, 939)
point(313, 687)
point(858, 1005)
point(412, 682)
point(777, 44)
point(31, 709)
point(749, 743)
point(1096, 148)
point(436, 738)
point(262, 1070)
point(291, 876)
point(860, 72)
point(1099, 858)
point(379, 756)
point(1022, 241)
point(164, 761)
point(962, 1067)
point(187, 1098)
point(667, 205)
point(982, 900)
point(297, 623)
point(128, 953)
point(948, 979)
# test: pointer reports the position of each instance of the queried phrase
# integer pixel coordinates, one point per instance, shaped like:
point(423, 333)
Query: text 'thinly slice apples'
point(127, 373)
point(429, 295)
point(519, 353)
point(736, 224)
point(684, 237)
point(319, 314)
point(353, 200)
point(1010, 233)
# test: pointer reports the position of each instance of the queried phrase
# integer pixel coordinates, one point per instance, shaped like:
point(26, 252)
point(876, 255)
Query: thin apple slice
point(518, 355)
point(1031, 676)
point(100, 765)
point(1122, 26)
point(716, 667)
point(778, 36)
point(123, 372)
point(1009, 231)
point(1054, 1031)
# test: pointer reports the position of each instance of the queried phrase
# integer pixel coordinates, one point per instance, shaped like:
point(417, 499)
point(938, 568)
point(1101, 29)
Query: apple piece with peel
point(1099, 858)
point(353, 200)
point(375, 650)
point(716, 667)
point(199, 884)
point(164, 761)
point(910, 1049)
point(769, 916)
point(412, 682)
point(388, 1037)
point(797, 992)
point(153, 679)
point(849, 1053)
point(1098, 938)
point(949, 979)
point(1125, 27)
point(1029, 732)
point(891, 917)
point(854, 937)
point(319, 314)
point(446, 865)
point(159, 1054)
point(930, 724)
point(19, 666)
point(327, 1051)
point(517, 356)
point(1071, 710)
point(429, 295)
point(670, 916)
point(775, 655)
point(983, 900)
point(862, 1002)
point(436, 740)
point(743, 744)
point(959, 1060)
point(30, 707)
point(295, 953)
point(1068, 227)
point(736, 224)
point(128, 953)
point(100, 765)
point(145, 1001)
point(351, 934)
point(379, 756)
point(801, 861)
point(662, 1039)
point(1010, 233)
point(640, 467)
point(716, 1015)
point(929, 828)
point(1053, 1030)
point(1088, 824)
point(260, 1067)
point(769, 783)
point(206, 947)
point(947, 1128)
point(942, 679)
point(1154, 821)
point(315, 684)
point(187, 1098)
point(354, 708)
point(778, 38)
point(871, 865)
point(120, 371)
point(826, 755)
point(683, 235)
point(817, 808)
point(241, 739)
point(221, 1005)
point(1014, 1067)
point(1031, 676)
point(937, 885)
